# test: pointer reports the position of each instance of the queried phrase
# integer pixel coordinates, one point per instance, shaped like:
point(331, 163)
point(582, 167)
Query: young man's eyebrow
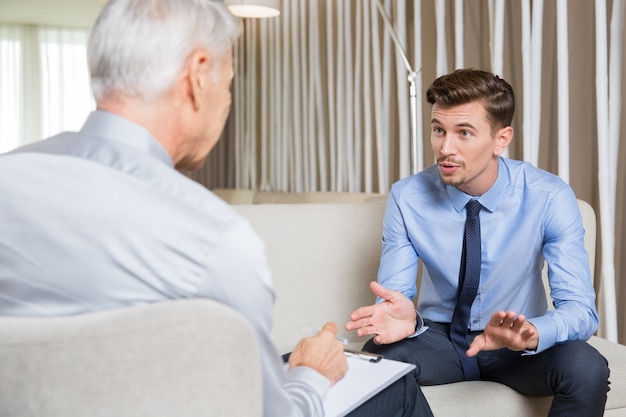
point(434, 120)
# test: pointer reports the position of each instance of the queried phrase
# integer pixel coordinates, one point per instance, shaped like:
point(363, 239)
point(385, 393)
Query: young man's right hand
point(391, 320)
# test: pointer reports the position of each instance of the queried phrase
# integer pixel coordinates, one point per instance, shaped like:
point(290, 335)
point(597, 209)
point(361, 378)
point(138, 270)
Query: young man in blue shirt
point(526, 216)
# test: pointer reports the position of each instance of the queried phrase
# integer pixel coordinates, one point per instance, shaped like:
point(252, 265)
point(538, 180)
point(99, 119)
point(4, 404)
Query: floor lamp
point(412, 78)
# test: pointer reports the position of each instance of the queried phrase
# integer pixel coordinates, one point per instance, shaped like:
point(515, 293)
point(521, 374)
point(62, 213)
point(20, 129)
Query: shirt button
point(474, 321)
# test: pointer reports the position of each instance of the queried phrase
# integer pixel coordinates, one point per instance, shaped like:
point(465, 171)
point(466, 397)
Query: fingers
point(476, 346)
point(363, 313)
point(496, 318)
point(369, 311)
point(530, 336)
point(389, 321)
point(507, 320)
point(506, 329)
point(380, 339)
point(518, 322)
point(379, 290)
point(323, 353)
point(363, 320)
point(386, 294)
point(331, 328)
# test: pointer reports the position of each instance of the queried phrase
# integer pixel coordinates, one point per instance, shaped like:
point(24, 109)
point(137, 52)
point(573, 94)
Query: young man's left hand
point(506, 330)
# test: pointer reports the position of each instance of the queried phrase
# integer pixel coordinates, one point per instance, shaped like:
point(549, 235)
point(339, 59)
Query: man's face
point(465, 148)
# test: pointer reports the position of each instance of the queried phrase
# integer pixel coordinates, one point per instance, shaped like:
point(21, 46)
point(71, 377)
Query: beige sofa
point(323, 255)
point(160, 360)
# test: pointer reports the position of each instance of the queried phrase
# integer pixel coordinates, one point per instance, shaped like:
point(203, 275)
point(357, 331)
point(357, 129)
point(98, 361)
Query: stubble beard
point(454, 180)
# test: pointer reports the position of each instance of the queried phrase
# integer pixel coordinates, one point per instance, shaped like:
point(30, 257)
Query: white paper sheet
point(363, 380)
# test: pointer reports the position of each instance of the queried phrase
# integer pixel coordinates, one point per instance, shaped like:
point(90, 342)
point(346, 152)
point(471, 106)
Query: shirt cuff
point(316, 381)
point(419, 325)
point(547, 334)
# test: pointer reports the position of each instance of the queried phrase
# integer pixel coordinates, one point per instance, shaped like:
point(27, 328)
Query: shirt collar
point(111, 127)
point(488, 200)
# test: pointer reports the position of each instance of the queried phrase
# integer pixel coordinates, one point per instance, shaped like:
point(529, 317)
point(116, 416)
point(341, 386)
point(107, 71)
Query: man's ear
point(504, 137)
point(198, 73)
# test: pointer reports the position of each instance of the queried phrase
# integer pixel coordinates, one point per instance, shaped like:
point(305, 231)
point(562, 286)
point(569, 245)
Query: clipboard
point(363, 380)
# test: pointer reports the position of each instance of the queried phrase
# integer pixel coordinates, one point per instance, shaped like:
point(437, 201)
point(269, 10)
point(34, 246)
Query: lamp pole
point(412, 78)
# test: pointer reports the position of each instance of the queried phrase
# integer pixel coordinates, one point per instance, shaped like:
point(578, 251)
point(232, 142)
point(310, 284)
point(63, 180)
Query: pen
point(312, 332)
point(372, 357)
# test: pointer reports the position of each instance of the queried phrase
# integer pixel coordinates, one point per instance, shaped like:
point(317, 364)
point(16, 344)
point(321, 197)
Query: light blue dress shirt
point(529, 216)
point(100, 219)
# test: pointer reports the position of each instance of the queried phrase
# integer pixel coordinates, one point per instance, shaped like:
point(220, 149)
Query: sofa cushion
point(484, 399)
point(616, 355)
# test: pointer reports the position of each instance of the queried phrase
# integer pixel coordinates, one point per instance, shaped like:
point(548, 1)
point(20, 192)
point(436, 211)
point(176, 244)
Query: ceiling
point(75, 13)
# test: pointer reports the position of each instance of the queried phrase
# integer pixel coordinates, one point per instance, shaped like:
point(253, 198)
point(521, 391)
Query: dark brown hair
point(468, 85)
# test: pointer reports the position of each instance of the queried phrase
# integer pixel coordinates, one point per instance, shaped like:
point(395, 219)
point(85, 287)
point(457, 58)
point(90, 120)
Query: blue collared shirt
point(528, 216)
point(100, 219)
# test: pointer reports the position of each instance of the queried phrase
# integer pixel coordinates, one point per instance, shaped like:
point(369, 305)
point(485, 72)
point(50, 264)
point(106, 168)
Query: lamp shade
point(253, 8)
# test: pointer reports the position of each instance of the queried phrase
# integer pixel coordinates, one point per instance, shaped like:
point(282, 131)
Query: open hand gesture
point(391, 320)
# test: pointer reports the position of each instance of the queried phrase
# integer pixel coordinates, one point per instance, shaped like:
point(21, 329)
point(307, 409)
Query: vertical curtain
point(44, 83)
point(11, 81)
point(65, 89)
point(318, 95)
point(608, 109)
point(320, 101)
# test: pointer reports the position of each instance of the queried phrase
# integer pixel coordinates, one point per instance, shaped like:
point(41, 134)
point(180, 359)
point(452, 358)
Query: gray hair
point(138, 47)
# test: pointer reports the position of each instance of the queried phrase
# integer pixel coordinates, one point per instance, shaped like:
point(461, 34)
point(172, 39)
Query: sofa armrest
point(157, 360)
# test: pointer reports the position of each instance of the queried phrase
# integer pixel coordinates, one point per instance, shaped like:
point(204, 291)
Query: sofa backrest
point(277, 197)
point(244, 196)
point(322, 257)
point(589, 223)
point(160, 360)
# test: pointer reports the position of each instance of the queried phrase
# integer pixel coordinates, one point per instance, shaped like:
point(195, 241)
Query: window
point(44, 83)
point(10, 80)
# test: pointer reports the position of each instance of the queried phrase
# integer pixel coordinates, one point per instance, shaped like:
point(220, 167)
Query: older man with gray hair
point(101, 219)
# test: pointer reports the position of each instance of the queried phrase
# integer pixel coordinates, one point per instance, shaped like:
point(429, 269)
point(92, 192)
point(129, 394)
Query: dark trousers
point(404, 398)
point(574, 372)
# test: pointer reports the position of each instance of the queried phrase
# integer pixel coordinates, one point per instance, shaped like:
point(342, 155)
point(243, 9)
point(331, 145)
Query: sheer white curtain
point(44, 83)
point(11, 51)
